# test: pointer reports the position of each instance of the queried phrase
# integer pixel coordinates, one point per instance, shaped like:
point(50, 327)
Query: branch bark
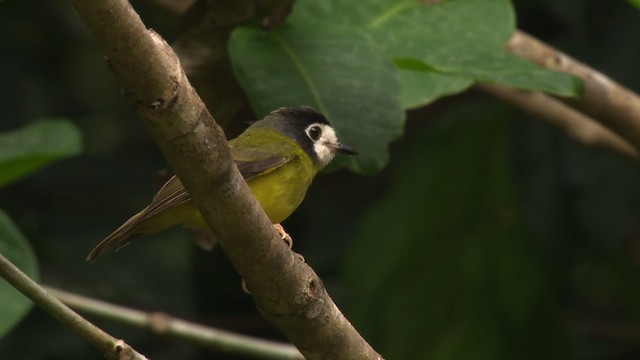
point(284, 288)
point(113, 348)
point(604, 100)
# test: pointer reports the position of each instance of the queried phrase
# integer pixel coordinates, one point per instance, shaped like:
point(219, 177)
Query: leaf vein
point(303, 73)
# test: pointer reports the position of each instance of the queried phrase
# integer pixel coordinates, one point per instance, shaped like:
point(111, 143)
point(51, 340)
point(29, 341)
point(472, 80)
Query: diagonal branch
point(113, 348)
point(284, 288)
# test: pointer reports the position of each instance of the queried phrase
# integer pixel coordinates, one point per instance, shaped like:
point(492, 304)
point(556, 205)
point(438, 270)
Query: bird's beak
point(343, 149)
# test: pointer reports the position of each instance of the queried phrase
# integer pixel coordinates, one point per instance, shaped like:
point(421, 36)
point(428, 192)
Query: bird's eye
point(314, 132)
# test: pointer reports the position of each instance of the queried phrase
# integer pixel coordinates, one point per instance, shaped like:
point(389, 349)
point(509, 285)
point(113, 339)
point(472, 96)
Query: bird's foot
point(204, 239)
point(283, 234)
point(287, 239)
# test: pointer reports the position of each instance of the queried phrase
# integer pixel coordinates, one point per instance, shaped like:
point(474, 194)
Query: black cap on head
point(292, 121)
point(302, 115)
point(303, 124)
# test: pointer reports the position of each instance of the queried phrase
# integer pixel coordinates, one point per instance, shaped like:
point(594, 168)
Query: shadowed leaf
point(13, 305)
point(27, 149)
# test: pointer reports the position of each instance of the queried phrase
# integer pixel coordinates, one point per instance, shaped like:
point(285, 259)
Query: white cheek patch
point(325, 155)
point(322, 146)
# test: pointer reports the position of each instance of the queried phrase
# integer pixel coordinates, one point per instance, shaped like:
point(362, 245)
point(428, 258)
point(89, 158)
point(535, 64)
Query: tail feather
point(132, 229)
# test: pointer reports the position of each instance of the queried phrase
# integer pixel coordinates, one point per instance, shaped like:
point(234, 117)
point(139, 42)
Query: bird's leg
point(284, 235)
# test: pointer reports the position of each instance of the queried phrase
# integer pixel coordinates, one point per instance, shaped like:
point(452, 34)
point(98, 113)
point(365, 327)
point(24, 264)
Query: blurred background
point(488, 236)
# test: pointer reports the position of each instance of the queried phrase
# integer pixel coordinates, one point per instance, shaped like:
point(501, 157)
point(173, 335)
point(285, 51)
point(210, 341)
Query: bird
point(277, 156)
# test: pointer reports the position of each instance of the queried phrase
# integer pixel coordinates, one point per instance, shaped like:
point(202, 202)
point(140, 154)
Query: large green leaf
point(25, 150)
point(337, 70)
point(463, 38)
point(442, 267)
point(13, 305)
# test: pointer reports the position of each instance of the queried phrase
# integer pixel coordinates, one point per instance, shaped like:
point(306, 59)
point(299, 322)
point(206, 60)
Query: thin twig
point(604, 100)
point(163, 324)
point(110, 346)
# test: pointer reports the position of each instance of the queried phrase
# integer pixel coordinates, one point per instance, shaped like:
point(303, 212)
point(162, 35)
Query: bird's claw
point(283, 235)
point(245, 288)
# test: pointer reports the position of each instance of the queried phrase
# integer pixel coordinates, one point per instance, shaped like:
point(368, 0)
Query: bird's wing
point(251, 169)
point(253, 162)
point(173, 192)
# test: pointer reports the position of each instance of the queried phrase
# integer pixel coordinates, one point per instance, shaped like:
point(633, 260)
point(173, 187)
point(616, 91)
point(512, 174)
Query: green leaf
point(460, 38)
point(635, 3)
point(339, 71)
point(25, 150)
point(435, 22)
point(13, 305)
point(486, 63)
point(442, 267)
point(422, 87)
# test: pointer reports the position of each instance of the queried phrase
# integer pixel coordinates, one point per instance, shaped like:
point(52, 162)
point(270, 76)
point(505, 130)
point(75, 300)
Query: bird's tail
point(134, 228)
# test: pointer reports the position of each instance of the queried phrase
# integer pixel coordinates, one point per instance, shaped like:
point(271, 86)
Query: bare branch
point(113, 348)
point(163, 324)
point(604, 100)
point(284, 288)
point(575, 124)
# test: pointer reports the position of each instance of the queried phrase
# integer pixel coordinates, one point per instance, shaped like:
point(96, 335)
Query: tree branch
point(284, 288)
point(110, 346)
point(162, 324)
point(575, 124)
point(604, 100)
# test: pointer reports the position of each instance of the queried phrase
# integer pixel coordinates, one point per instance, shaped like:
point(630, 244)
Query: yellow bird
point(278, 156)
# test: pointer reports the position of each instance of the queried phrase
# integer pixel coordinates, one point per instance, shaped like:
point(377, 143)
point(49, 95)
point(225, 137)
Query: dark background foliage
point(488, 235)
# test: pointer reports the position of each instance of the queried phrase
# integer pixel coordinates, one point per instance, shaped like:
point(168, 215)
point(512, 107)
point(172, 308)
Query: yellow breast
point(281, 191)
